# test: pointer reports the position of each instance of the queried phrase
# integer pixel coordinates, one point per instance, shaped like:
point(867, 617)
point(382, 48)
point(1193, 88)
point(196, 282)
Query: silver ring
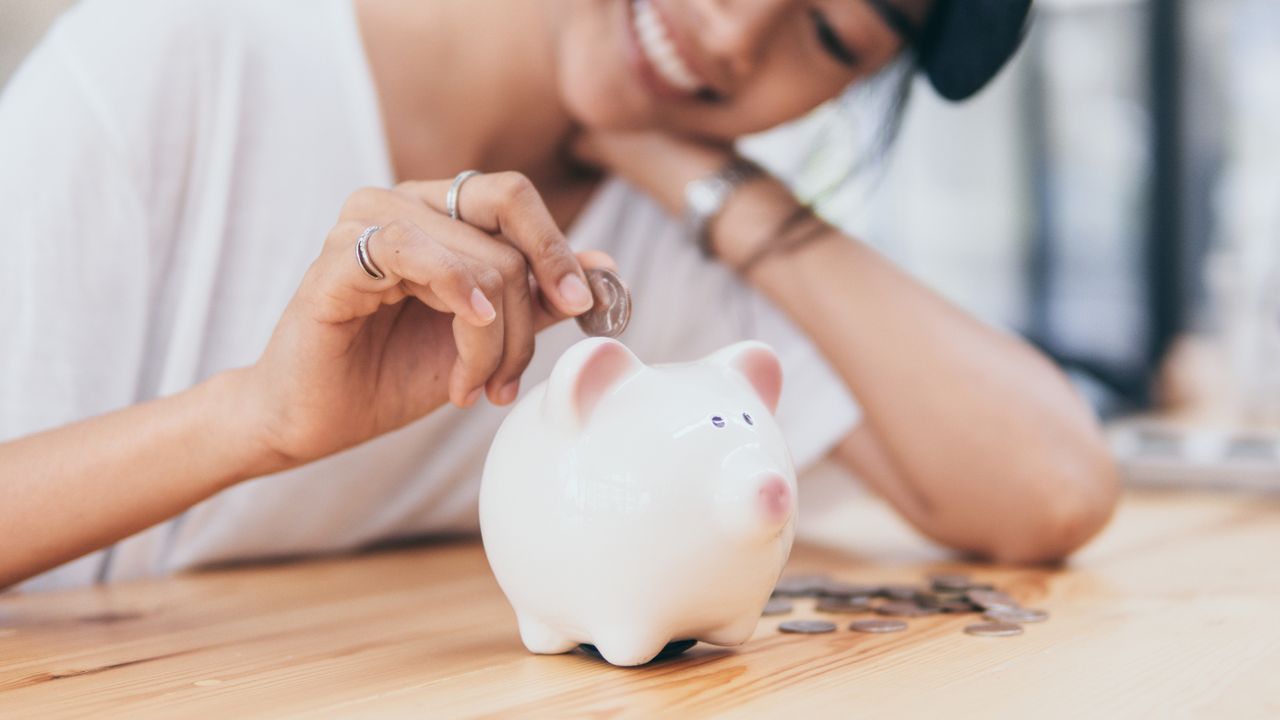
point(362, 253)
point(451, 200)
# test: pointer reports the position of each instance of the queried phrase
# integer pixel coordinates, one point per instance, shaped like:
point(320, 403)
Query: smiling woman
point(188, 315)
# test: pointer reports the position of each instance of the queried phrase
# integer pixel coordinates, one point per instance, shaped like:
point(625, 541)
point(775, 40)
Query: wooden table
point(1175, 611)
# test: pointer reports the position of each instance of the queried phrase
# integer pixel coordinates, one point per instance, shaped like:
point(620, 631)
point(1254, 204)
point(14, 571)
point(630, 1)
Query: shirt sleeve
point(74, 279)
point(816, 409)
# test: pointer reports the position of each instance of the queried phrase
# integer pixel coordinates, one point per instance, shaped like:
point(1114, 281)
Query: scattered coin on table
point(806, 627)
point(899, 592)
point(991, 600)
point(843, 605)
point(903, 608)
point(1017, 615)
point(777, 606)
point(951, 593)
point(949, 582)
point(611, 313)
point(993, 629)
point(877, 626)
point(800, 585)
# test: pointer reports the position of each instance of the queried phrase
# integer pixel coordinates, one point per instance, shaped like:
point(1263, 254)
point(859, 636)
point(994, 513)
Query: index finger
point(544, 316)
point(508, 204)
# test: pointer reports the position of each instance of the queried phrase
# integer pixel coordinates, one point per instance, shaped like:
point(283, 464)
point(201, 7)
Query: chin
point(596, 103)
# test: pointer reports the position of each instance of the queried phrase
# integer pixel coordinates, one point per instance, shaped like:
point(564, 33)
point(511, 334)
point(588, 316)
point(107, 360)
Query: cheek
point(593, 76)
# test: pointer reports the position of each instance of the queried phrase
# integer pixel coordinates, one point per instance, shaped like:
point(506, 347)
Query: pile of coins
point(951, 594)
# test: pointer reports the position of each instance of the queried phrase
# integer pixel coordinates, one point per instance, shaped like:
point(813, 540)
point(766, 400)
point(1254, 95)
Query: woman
point(171, 170)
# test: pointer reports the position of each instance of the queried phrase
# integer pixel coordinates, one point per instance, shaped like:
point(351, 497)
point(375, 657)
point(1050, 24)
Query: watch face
point(704, 197)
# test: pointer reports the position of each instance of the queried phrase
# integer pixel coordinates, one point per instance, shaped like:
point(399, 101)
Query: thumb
point(545, 314)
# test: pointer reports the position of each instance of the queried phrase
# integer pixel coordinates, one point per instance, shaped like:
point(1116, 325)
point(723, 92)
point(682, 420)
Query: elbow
point(1074, 502)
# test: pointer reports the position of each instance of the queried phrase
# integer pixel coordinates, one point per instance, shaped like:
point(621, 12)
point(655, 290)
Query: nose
point(735, 33)
point(774, 499)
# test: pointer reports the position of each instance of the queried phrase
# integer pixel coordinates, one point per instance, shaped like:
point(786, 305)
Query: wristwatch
point(705, 198)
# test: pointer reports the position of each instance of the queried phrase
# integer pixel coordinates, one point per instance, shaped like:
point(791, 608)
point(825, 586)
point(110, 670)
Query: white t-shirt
point(169, 169)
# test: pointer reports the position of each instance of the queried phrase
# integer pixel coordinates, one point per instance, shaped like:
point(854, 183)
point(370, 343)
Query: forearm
point(77, 488)
point(1000, 454)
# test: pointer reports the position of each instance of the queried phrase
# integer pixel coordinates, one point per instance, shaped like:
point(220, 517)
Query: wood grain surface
point(1174, 612)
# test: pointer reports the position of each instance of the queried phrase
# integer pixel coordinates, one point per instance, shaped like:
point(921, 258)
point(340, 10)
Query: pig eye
point(717, 421)
point(747, 417)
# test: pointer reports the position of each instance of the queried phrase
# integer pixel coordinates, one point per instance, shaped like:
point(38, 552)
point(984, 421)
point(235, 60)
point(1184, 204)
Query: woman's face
point(715, 68)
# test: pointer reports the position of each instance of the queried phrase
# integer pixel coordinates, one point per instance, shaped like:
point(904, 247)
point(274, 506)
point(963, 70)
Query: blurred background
point(1114, 196)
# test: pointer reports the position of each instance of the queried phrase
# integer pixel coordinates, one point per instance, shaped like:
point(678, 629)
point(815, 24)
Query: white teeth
point(657, 46)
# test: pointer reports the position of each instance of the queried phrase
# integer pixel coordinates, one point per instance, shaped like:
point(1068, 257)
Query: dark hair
point(890, 86)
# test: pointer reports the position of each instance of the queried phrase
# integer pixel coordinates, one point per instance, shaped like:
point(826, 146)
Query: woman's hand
point(658, 163)
point(354, 357)
point(662, 165)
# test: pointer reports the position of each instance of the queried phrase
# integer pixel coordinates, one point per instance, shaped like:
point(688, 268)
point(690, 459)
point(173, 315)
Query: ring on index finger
point(362, 254)
point(451, 200)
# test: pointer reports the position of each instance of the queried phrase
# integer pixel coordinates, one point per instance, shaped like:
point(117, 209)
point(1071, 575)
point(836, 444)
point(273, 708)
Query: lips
point(660, 60)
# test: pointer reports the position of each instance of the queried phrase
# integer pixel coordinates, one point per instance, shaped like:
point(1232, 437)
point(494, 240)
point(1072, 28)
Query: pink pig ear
point(584, 375)
point(758, 363)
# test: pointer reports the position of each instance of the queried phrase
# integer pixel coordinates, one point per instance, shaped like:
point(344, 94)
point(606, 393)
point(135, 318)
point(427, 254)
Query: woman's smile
point(660, 56)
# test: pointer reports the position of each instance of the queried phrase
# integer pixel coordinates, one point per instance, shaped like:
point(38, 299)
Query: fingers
point(517, 341)
point(496, 287)
point(404, 252)
point(338, 290)
point(544, 313)
point(508, 204)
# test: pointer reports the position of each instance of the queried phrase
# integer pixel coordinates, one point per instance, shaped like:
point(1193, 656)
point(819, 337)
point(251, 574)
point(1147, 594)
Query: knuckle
point(343, 234)
point(520, 357)
point(511, 264)
point(362, 202)
point(550, 247)
point(399, 233)
point(490, 281)
point(515, 187)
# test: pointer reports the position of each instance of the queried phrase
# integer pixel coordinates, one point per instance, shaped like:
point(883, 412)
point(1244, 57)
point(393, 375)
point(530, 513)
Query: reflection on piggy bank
point(628, 506)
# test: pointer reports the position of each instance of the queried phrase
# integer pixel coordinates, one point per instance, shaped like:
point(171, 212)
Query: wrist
point(240, 432)
point(749, 219)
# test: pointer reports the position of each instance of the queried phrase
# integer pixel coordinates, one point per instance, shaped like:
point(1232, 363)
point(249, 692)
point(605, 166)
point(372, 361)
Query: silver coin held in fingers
point(611, 313)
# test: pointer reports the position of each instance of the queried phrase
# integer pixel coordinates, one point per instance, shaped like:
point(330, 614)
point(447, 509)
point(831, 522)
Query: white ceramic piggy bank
point(628, 506)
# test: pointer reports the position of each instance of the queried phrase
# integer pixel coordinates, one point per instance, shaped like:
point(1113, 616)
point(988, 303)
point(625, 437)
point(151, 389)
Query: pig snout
point(775, 499)
point(754, 500)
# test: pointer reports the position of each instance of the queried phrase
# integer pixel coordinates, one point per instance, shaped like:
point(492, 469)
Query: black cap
point(964, 43)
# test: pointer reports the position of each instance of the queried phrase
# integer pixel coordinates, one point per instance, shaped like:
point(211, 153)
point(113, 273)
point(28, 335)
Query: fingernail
point(508, 392)
point(575, 292)
point(471, 398)
point(482, 306)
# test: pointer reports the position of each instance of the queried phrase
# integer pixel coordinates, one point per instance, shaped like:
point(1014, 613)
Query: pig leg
point(540, 638)
point(625, 645)
point(735, 633)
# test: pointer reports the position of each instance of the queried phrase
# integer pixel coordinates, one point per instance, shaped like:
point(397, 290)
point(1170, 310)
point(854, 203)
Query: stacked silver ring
point(451, 200)
point(362, 253)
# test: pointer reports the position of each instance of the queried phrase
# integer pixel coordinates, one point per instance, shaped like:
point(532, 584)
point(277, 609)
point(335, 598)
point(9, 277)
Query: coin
point(993, 629)
point(776, 606)
point(899, 592)
point(903, 608)
point(609, 316)
point(807, 627)
point(877, 626)
point(800, 585)
point(991, 599)
point(1016, 615)
point(843, 605)
point(949, 582)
